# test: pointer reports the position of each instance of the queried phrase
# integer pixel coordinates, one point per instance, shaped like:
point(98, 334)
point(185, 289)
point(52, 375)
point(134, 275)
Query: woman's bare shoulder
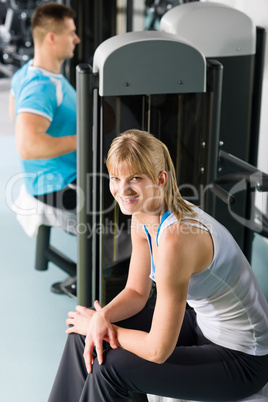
point(189, 246)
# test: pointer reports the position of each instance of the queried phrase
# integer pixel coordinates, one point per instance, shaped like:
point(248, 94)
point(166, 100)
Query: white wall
point(257, 10)
point(138, 15)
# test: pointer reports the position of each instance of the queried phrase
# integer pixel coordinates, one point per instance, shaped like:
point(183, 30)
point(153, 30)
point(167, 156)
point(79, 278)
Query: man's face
point(66, 40)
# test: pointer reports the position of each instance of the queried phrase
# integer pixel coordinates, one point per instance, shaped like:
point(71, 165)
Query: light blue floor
point(32, 319)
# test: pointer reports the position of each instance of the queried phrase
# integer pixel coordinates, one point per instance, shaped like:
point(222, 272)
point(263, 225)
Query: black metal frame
point(255, 180)
point(46, 253)
point(87, 82)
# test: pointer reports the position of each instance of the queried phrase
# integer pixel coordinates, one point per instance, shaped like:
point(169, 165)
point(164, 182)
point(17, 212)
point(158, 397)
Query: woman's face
point(135, 193)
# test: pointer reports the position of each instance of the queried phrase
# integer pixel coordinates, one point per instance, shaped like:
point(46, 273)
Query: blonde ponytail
point(172, 196)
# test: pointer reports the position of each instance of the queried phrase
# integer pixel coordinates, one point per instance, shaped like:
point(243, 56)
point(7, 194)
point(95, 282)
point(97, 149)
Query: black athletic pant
point(65, 199)
point(197, 370)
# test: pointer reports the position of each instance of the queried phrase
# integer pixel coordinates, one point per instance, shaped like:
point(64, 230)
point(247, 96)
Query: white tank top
point(230, 306)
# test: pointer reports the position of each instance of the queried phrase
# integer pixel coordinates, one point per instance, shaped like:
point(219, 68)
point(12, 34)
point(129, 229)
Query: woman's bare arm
point(178, 257)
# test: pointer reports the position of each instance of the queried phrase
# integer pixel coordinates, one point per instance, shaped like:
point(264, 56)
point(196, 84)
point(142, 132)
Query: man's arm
point(11, 108)
point(34, 143)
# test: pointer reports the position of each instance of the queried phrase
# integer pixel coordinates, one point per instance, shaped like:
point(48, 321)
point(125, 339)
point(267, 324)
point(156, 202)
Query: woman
point(215, 351)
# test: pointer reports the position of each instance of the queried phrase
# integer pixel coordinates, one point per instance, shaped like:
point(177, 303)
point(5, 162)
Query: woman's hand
point(79, 320)
point(99, 330)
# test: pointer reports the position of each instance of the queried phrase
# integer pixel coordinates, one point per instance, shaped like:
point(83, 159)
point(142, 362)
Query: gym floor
point(32, 317)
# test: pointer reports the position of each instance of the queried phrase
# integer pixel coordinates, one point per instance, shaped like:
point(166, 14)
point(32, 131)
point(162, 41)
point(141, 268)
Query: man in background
point(43, 106)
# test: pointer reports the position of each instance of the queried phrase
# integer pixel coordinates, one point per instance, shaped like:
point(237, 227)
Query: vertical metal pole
point(214, 137)
point(255, 126)
point(99, 191)
point(98, 23)
point(85, 269)
point(257, 95)
point(149, 114)
point(179, 130)
point(129, 15)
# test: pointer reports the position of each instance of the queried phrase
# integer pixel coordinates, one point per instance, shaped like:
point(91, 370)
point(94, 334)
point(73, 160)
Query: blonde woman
point(217, 350)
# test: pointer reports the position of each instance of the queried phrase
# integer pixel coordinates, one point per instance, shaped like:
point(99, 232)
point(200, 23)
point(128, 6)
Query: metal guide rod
point(257, 94)
point(213, 139)
point(116, 215)
point(149, 113)
point(129, 12)
point(99, 196)
point(179, 134)
point(85, 268)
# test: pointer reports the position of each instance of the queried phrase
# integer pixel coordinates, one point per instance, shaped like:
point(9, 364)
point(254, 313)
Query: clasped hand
point(95, 327)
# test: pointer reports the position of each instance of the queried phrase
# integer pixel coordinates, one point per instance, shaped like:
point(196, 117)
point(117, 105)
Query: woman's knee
point(115, 363)
point(75, 344)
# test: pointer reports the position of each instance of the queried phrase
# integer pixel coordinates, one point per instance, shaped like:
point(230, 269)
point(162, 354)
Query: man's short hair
point(49, 17)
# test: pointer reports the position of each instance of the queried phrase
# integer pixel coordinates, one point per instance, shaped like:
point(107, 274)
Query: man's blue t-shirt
point(49, 95)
